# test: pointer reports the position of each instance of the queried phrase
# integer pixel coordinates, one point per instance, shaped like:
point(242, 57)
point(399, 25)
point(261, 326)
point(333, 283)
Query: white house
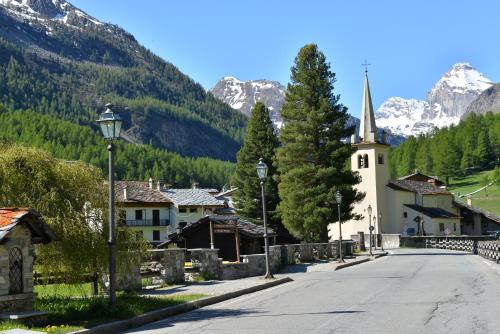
point(155, 211)
point(414, 204)
point(143, 208)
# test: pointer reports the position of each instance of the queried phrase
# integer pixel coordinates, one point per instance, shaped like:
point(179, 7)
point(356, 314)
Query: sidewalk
point(215, 287)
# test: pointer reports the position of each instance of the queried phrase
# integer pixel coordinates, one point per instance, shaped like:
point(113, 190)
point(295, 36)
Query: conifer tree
point(260, 142)
point(312, 158)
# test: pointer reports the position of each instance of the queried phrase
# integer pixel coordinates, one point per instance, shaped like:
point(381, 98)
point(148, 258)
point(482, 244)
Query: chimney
point(150, 183)
point(469, 200)
point(158, 186)
point(125, 192)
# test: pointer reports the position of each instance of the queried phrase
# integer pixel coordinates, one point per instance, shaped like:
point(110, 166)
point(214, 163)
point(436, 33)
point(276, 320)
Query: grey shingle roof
point(192, 197)
point(432, 212)
point(421, 187)
point(139, 192)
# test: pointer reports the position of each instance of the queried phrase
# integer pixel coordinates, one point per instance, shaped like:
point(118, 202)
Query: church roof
point(367, 128)
point(420, 187)
point(417, 176)
point(432, 212)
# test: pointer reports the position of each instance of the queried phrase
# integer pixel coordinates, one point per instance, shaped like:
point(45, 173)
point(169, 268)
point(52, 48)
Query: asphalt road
point(409, 291)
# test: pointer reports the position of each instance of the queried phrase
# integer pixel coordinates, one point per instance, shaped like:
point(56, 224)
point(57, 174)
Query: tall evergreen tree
point(312, 159)
point(260, 142)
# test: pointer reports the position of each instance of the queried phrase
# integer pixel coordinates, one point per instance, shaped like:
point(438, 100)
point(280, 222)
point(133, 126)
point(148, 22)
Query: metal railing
point(148, 222)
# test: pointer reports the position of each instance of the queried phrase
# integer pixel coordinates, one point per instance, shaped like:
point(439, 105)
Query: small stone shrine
point(20, 230)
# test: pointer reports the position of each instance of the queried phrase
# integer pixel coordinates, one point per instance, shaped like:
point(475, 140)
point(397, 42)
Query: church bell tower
point(370, 160)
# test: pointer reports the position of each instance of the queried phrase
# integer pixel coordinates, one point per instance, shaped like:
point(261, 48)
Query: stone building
point(20, 230)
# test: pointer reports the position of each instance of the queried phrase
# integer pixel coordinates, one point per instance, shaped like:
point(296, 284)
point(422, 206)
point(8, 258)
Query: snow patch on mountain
point(242, 96)
point(446, 103)
point(47, 11)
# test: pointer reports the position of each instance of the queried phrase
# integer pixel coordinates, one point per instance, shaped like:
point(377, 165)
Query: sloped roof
point(11, 217)
point(139, 192)
point(417, 176)
point(486, 214)
point(420, 187)
point(194, 197)
point(432, 212)
point(244, 227)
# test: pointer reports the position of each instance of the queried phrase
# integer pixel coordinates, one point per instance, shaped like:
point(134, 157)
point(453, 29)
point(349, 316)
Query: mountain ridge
point(67, 63)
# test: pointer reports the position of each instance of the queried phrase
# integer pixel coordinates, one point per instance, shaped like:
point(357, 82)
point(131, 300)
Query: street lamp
point(380, 231)
point(370, 226)
point(111, 125)
point(376, 236)
point(338, 198)
point(262, 174)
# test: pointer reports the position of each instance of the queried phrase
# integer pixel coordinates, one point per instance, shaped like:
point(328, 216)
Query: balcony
point(148, 222)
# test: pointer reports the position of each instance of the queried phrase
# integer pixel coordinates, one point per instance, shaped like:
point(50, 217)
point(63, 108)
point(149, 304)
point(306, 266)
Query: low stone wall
point(391, 241)
point(173, 265)
point(489, 250)
point(128, 271)
point(206, 262)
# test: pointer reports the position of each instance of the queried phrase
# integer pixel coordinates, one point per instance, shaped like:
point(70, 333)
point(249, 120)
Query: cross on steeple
point(365, 64)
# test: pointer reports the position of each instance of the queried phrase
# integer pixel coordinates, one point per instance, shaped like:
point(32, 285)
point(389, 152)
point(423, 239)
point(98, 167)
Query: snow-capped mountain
point(446, 103)
point(242, 96)
point(47, 11)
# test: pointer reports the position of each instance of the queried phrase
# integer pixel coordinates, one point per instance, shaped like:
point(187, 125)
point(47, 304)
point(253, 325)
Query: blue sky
point(410, 44)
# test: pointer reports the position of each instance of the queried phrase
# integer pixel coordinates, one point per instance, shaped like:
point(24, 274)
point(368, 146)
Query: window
point(441, 227)
point(193, 210)
point(156, 235)
point(365, 161)
point(360, 161)
point(455, 227)
point(156, 217)
point(15, 271)
point(405, 214)
point(381, 159)
point(138, 214)
point(182, 210)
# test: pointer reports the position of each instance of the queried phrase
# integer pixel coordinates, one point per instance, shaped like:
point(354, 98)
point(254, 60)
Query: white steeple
point(367, 128)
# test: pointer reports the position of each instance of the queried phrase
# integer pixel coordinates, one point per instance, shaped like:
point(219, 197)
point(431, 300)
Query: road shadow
point(208, 314)
point(178, 288)
point(431, 254)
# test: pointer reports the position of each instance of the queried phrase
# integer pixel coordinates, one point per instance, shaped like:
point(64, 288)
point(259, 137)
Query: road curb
point(123, 325)
point(353, 263)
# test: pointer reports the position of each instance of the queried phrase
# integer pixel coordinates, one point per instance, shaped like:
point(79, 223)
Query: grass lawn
point(488, 200)
point(72, 312)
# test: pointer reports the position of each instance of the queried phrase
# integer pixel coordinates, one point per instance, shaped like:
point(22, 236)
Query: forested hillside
point(67, 140)
point(453, 151)
point(71, 72)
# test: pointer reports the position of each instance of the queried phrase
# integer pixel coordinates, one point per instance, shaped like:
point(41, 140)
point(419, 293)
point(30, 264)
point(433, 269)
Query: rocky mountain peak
point(446, 103)
point(242, 96)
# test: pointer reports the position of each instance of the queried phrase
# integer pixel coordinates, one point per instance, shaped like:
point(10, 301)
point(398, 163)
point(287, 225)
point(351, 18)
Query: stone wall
point(390, 241)
point(173, 261)
point(489, 250)
point(206, 262)
point(20, 237)
point(128, 271)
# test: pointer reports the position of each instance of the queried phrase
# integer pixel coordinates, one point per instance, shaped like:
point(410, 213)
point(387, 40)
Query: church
point(415, 204)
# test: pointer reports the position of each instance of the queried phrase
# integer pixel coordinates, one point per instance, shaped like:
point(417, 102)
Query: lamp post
point(380, 231)
point(338, 198)
point(262, 174)
point(111, 125)
point(375, 235)
point(370, 226)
